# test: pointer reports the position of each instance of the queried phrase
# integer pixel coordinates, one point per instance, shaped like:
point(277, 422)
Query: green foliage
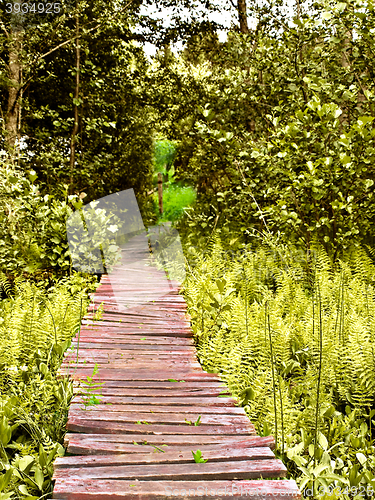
point(33, 232)
point(98, 224)
point(90, 392)
point(279, 134)
point(36, 327)
point(176, 196)
point(273, 322)
point(198, 457)
point(34, 237)
point(175, 200)
point(164, 155)
point(197, 422)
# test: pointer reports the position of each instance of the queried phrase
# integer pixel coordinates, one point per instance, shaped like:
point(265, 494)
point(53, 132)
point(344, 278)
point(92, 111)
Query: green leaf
point(42, 456)
point(322, 441)
point(39, 478)
point(25, 463)
point(198, 457)
point(361, 458)
point(341, 6)
point(77, 101)
point(43, 368)
point(23, 490)
point(5, 431)
point(5, 478)
point(220, 283)
point(32, 175)
point(247, 395)
point(327, 15)
point(6, 496)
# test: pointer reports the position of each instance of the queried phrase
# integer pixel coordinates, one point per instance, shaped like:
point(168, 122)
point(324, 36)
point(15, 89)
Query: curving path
point(132, 437)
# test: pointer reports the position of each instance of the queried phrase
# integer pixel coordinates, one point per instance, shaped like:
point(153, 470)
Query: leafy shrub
point(33, 234)
point(286, 144)
point(91, 245)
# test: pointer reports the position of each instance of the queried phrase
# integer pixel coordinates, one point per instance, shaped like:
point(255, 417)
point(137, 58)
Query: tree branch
point(4, 28)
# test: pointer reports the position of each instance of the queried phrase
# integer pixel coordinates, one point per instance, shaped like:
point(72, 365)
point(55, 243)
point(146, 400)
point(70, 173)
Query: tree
point(74, 103)
point(282, 138)
point(242, 16)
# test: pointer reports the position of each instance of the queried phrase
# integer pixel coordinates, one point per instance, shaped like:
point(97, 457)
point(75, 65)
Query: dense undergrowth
point(176, 195)
point(293, 339)
point(37, 323)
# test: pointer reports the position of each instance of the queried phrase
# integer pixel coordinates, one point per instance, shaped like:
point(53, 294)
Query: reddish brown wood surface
point(104, 444)
point(163, 490)
point(213, 453)
point(239, 469)
point(135, 439)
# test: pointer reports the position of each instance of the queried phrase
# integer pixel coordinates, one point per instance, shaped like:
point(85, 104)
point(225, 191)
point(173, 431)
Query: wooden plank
point(216, 453)
point(118, 322)
point(108, 344)
point(127, 319)
point(157, 331)
point(137, 350)
point(160, 418)
point(135, 332)
point(180, 490)
point(143, 314)
point(245, 469)
point(94, 444)
point(196, 410)
point(172, 384)
point(171, 366)
point(169, 401)
point(92, 426)
point(133, 341)
point(133, 359)
point(156, 393)
point(155, 375)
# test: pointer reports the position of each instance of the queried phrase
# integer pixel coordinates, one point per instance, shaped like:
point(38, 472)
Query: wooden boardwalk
point(137, 442)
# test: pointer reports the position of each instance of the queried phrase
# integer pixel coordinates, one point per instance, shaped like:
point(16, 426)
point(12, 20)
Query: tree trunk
point(242, 16)
point(73, 137)
point(13, 114)
point(298, 9)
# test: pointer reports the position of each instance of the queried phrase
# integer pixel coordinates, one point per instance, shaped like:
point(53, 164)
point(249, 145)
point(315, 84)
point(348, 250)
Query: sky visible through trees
point(227, 16)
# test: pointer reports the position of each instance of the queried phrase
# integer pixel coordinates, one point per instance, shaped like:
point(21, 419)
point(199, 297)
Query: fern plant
point(36, 327)
point(295, 346)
